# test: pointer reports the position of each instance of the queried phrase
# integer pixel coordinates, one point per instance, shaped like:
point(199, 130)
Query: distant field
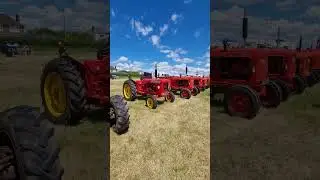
point(170, 142)
point(82, 147)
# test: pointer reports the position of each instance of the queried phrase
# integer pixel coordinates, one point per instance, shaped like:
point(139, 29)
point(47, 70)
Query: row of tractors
point(163, 87)
point(251, 78)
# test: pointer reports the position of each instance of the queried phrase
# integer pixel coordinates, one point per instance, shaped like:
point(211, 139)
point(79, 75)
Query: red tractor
point(314, 55)
point(282, 69)
point(71, 89)
point(151, 88)
point(241, 74)
point(184, 85)
point(199, 82)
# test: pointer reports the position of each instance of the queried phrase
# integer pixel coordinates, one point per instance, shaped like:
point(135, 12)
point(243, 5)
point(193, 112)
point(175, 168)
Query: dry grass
point(170, 142)
point(82, 152)
point(281, 143)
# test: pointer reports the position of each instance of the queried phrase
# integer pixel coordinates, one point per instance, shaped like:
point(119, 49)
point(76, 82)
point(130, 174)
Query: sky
point(171, 34)
point(80, 15)
point(294, 17)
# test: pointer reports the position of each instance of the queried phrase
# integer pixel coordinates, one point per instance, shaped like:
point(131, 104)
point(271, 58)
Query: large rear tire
point(241, 101)
point(68, 107)
point(28, 144)
point(119, 115)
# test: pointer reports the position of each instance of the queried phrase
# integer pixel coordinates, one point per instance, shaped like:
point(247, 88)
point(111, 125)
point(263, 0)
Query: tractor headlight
point(158, 87)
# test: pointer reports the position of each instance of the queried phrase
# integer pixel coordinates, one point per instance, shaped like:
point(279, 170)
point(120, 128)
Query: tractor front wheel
point(170, 97)
point(185, 93)
point(119, 115)
point(129, 90)
point(241, 101)
point(273, 95)
point(152, 102)
point(63, 92)
point(299, 84)
point(195, 91)
point(285, 89)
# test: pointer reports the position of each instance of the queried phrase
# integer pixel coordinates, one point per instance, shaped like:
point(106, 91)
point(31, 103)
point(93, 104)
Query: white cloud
point(113, 14)
point(176, 17)
point(313, 11)
point(81, 16)
point(286, 4)
point(244, 2)
point(177, 69)
point(163, 29)
point(196, 34)
point(187, 1)
point(121, 59)
point(140, 28)
point(155, 40)
point(227, 24)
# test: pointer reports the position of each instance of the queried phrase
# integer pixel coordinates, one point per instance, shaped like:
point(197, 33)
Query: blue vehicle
point(9, 48)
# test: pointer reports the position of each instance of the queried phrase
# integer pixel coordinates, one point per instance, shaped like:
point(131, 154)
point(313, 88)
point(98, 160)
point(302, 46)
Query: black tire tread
point(74, 86)
point(133, 88)
point(37, 151)
point(121, 124)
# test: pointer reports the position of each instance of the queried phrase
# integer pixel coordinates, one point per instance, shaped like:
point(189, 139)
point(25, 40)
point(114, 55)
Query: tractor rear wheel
point(285, 89)
point(273, 96)
point(119, 114)
point(185, 93)
point(195, 91)
point(299, 84)
point(241, 101)
point(63, 92)
point(170, 97)
point(28, 149)
point(129, 90)
point(152, 102)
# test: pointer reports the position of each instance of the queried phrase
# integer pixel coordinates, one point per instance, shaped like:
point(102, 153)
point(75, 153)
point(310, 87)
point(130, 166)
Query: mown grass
point(83, 146)
point(170, 142)
point(280, 143)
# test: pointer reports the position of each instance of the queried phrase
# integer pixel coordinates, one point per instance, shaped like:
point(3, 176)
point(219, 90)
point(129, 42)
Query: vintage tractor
point(150, 88)
point(282, 70)
point(314, 55)
point(28, 148)
point(241, 75)
point(184, 85)
point(199, 83)
point(71, 89)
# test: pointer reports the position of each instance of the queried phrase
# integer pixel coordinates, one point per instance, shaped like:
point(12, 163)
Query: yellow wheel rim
point(55, 95)
point(126, 91)
point(149, 102)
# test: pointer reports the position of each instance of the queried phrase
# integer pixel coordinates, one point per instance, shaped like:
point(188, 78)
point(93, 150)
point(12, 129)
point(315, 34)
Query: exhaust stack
point(156, 71)
point(244, 27)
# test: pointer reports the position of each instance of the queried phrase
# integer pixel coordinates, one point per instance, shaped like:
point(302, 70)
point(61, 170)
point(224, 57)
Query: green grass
point(280, 143)
point(83, 146)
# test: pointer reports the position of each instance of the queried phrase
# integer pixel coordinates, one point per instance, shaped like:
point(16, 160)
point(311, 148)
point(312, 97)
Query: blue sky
point(170, 33)
point(80, 14)
point(292, 16)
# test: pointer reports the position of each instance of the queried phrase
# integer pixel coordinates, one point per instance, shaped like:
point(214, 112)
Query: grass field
point(282, 143)
point(82, 147)
point(170, 142)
